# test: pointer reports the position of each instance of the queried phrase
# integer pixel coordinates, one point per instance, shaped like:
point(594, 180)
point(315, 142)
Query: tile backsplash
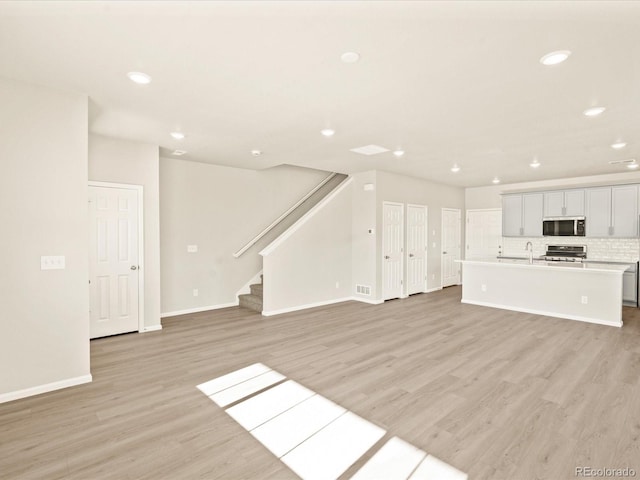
point(614, 249)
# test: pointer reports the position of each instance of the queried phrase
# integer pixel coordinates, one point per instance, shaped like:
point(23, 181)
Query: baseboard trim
point(542, 312)
point(304, 307)
point(198, 309)
point(152, 328)
point(365, 300)
point(433, 290)
point(47, 387)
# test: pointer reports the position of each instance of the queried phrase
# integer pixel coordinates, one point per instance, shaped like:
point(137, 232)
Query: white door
point(483, 233)
point(416, 249)
point(113, 260)
point(450, 246)
point(392, 249)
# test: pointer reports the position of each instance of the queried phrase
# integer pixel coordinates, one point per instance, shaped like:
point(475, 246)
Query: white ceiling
point(448, 82)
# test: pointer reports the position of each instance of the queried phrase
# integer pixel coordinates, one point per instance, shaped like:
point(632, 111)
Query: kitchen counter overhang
point(589, 292)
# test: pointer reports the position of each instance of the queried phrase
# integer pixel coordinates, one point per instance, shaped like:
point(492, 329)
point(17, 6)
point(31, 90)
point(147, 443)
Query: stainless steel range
point(565, 253)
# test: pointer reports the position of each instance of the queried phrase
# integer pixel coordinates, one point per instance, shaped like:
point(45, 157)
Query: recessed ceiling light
point(554, 58)
point(398, 153)
point(177, 135)
point(495, 180)
point(455, 168)
point(256, 153)
point(327, 132)
point(618, 145)
point(535, 163)
point(593, 111)
point(178, 152)
point(139, 78)
point(350, 57)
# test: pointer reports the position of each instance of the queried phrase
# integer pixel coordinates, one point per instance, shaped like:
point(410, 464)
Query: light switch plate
point(52, 262)
point(192, 248)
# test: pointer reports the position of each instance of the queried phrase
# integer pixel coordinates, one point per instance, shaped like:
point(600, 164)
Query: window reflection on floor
point(314, 437)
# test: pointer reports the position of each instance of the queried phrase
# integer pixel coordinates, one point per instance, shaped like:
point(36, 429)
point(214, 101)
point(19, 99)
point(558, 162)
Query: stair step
point(256, 289)
point(252, 302)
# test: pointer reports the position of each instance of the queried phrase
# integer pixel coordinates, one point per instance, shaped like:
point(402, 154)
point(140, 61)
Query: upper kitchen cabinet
point(567, 203)
point(624, 211)
point(612, 211)
point(522, 215)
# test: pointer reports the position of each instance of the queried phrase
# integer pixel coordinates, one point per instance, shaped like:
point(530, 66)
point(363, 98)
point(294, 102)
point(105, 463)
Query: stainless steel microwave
point(563, 226)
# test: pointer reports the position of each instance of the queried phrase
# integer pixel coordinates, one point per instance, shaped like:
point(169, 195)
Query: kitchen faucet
point(529, 248)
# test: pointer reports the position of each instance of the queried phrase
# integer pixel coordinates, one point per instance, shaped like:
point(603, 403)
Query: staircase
point(253, 300)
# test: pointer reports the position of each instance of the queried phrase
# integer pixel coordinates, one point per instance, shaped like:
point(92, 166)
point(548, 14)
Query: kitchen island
point(577, 291)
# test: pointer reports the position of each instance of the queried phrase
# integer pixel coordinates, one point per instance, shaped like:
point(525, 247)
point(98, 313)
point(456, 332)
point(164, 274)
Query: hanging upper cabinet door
point(522, 215)
point(624, 211)
point(512, 215)
point(564, 203)
point(574, 203)
point(612, 211)
point(532, 204)
point(598, 220)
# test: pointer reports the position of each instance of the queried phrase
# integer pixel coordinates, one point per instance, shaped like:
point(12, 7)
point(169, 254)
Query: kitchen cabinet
point(522, 215)
point(612, 211)
point(624, 211)
point(564, 203)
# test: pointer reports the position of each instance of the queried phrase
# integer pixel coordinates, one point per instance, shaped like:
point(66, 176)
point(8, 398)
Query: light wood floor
point(496, 394)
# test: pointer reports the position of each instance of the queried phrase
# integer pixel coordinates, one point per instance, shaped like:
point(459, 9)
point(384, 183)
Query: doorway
point(392, 249)
point(451, 227)
point(417, 216)
point(483, 233)
point(115, 259)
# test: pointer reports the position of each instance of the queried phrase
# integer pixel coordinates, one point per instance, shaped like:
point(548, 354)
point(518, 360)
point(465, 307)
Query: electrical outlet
point(195, 292)
point(337, 284)
point(483, 287)
point(192, 248)
point(585, 299)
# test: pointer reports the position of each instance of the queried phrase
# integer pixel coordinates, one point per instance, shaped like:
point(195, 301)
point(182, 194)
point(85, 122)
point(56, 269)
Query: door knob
point(411, 255)
point(133, 267)
point(387, 257)
point(444, 253)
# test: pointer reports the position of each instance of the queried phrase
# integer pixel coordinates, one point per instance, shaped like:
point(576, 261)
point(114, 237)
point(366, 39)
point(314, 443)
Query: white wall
point(399, 188)
point(218, 209)
point(312, 266)
point(363, 243)
point(121, 161)
point(44, 328)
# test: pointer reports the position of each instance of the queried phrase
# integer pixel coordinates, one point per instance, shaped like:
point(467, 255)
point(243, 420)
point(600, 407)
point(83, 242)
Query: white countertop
point(574, 266)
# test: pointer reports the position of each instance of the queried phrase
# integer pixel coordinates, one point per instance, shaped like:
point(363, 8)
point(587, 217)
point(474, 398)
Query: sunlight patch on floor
point(314, 437)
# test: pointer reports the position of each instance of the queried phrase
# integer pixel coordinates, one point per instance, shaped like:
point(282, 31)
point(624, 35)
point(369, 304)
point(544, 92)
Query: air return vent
point(623, 162)
point(363, 289)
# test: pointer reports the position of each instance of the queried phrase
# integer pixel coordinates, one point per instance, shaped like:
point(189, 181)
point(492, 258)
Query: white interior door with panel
point(114, 266)
point(450, 246)
point(392, 250)
point(483, 233)
point(416, 249)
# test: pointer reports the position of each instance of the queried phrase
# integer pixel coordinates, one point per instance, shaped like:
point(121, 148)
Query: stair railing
point(255, 239)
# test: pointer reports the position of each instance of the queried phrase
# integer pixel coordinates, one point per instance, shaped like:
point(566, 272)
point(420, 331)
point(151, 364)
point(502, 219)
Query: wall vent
point(363, 289)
